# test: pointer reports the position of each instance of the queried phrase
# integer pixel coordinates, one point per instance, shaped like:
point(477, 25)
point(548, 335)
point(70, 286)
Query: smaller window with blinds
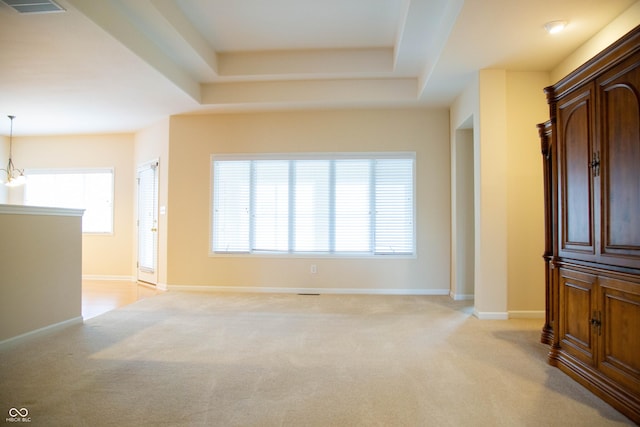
point(335, 204)
point(88, 189)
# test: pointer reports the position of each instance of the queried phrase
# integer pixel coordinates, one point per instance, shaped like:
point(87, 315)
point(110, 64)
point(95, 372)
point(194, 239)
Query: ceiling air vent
point(34, 6)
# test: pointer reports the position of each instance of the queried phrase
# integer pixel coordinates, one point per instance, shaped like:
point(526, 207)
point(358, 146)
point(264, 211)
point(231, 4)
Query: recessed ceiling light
point(555, 27)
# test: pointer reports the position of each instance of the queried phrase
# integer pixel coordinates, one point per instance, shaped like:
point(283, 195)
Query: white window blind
point(312, 218)
point(353, 205)
point(231, 205)
point(147, 222)
point(333, 204)
point(393, 207)
point(91, 190)
point(270, 205)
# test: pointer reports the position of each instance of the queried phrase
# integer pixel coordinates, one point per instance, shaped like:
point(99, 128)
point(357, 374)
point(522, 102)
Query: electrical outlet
point(313, 269)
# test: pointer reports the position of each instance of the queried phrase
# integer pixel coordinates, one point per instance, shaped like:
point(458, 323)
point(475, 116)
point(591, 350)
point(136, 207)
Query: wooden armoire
point(591, 158)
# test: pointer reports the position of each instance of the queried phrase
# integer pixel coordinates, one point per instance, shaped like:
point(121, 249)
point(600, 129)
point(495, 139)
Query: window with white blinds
point(360, 204)
point(91, 190)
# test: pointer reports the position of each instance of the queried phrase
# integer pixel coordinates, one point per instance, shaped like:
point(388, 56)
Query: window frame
point(83, 171)
point(316, 156)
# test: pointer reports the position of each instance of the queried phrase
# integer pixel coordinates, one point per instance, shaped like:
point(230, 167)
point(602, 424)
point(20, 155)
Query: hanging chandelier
point(14, 176)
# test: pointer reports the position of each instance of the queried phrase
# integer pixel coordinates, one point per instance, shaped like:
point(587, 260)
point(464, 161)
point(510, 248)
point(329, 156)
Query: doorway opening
point(464, 213)
point(147, 264)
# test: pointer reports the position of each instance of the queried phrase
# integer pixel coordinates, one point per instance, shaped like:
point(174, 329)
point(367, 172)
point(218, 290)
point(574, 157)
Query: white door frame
point(147, 223)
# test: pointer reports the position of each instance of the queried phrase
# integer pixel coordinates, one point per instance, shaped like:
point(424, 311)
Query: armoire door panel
point(577, 309)
point(619, 97)
point(575, 190)
point(619, 352)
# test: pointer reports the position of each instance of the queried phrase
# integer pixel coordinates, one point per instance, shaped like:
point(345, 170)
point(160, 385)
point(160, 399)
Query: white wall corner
point(461, 297)
point(491, 315)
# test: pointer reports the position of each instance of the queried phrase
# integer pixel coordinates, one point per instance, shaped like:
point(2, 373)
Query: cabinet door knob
point(597, 322)
point(595, 163)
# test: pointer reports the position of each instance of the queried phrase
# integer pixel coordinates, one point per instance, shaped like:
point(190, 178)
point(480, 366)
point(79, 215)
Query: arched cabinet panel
point(619, 97)
point(575, 183)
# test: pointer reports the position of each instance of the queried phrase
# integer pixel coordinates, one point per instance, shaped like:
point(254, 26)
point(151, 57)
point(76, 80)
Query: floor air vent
point(34, 6)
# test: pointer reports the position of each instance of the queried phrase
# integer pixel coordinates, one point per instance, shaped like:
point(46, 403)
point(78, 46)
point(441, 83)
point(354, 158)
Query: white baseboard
point(491, 315)
point(41, 331)
point(110, 278)
point(148, 285)
point(526, 314)
point(461, 297)
point(162, 286)
point(260, 289)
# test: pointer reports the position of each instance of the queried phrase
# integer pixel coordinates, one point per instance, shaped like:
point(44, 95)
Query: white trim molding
point(41, 331)
point(282, 290)
point(108, 278)
point(39, 210)
point(461, 297)
point(491, 315)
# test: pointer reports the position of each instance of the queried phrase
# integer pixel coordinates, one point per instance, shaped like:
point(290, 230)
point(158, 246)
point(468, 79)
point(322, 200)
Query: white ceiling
point(121, 65)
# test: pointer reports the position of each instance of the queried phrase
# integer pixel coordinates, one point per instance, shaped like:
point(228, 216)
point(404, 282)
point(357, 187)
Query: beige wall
point(195, 138)
point(492, 256)
point(527, 107)
point(503, 108)
point(102, 255)
point(624, 23)
point(482, 106)
point(40, 261)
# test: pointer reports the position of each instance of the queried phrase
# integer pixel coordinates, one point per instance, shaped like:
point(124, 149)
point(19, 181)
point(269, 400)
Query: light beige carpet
point(206, 359)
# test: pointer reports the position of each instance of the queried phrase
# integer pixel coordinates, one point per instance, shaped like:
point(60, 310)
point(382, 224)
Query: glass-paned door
point(148, 222)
